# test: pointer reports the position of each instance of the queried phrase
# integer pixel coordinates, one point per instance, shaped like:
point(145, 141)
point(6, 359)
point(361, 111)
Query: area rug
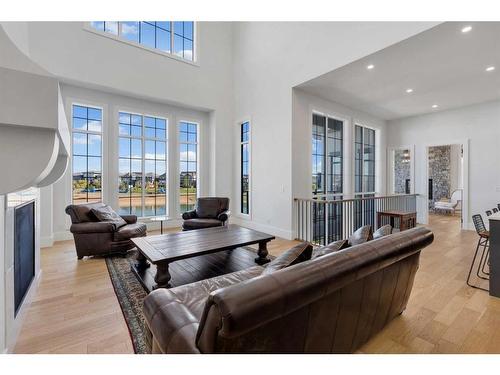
point(131, 294)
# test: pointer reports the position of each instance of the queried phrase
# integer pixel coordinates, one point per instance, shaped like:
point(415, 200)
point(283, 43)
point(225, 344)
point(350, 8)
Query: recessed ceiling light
point(370, 67)
point(490, 68)
point(435, 106)
point(466, 29)
point(409, 91)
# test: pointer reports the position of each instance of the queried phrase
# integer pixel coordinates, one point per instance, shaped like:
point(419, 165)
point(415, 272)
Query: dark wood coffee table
point(164, 249)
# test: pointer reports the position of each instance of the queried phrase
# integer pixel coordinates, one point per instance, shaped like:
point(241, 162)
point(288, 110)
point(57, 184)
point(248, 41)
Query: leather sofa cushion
point(106, 213)
point(384, 230)
point(296, 254)
point(208, 208)
point(130, 231)
point(194, 296)
point(330, 248)
point(201, 223)
point(361, 235)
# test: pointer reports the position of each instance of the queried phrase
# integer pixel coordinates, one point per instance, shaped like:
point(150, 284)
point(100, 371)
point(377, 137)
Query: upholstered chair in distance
point(94, 237)
point(209, 212)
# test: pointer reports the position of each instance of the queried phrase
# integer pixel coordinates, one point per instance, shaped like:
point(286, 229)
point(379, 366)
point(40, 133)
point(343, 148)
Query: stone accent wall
point(439, 171)
point(401, 171)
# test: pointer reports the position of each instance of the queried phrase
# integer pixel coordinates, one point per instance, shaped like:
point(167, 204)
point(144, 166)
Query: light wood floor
point(76, 311)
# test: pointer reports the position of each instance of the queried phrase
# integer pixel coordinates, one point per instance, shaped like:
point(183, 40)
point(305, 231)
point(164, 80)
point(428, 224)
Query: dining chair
point(482, 243)
point(495, 210)
point(488, 213)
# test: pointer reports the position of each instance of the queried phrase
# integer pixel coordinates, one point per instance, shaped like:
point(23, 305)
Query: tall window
point(176, 38)
point(245, 167)
point(142, 165)
point(327, 176)
point(327, 155)
point(87, 154)
point(364, 175)
point(188, 164)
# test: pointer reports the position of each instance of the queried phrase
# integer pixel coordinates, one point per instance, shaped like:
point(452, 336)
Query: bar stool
point(488, 213)
point(484, 237)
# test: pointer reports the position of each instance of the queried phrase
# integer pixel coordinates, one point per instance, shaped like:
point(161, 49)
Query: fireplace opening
point(24, 251)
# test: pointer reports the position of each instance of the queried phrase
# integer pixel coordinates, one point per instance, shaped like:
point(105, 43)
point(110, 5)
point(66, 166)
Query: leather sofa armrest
point(130, 219)
point(189, 215)
point(172, 324)
point(224, 216)
point(93, 227)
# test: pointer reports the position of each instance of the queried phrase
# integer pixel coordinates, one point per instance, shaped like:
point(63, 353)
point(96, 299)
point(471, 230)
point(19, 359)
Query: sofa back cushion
point(106, 213)
point(296, 254)
point(361, 235)
point(330, 248)
point(383, 231)
point(210, 208)
point(332, 304)
point(81, 213)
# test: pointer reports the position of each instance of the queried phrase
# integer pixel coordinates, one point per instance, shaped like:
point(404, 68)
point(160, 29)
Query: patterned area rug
point(131, 294)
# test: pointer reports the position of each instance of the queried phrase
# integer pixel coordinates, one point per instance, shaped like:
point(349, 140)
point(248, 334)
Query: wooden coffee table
point(164, 249)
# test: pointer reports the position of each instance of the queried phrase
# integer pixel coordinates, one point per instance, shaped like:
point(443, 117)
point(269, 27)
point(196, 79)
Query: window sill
point(137, 45)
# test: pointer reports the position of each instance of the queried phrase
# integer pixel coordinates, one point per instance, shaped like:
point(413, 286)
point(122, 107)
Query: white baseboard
point(47, 241)
point(278, 232)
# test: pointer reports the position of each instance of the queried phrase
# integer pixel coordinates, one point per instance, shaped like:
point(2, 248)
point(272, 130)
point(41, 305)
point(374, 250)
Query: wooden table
point(407, 219)
point(164, 249)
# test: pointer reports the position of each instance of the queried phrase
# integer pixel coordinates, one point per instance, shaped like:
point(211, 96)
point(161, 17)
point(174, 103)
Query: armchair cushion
point(384, 230)
point(361, 235)
point(198, 223)
point(107, 214)
point(130, 231)
point(330, 248)
point(208, 208)
point(92, 227)
point(296, 254)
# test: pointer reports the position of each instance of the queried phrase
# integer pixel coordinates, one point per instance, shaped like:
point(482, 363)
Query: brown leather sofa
point(210, 212)
point(94, 237)
point(331, 304)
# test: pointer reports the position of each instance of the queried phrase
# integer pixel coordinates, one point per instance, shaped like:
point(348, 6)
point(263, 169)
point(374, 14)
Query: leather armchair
point(93, 237)
point(209, 212)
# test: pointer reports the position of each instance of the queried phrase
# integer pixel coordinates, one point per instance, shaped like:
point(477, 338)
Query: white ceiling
point(442, 65)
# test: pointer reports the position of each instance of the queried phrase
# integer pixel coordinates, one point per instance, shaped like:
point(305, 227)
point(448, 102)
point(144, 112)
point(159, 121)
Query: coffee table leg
point(162, 276)
point(262, 254)
point(142, 262)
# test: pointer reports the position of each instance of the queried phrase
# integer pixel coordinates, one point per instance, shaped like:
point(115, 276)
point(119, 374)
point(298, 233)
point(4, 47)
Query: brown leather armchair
point(209, 212)
point(331, 304)
point(93, 237)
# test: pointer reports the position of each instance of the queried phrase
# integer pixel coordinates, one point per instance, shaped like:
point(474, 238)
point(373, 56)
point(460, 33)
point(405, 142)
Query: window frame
point(240, 174)
point(72, 104)
point(375, 130)
point(198, 154)
point(87, 26)
point(143, 138)
point(345, 122)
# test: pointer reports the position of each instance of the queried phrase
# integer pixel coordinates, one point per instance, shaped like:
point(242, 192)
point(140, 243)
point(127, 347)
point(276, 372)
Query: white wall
point(479, 125)
point(270, 58)
point(455, 168)
point(2, 278)
point(304, 104)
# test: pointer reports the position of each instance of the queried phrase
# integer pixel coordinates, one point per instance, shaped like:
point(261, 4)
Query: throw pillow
point(384, 230)
point(330, 248)
point(106, 213)
point(361, 235)
point(296, 254)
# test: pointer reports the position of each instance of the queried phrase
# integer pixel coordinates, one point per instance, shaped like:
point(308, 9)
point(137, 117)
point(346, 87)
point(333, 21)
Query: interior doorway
point(446, 181)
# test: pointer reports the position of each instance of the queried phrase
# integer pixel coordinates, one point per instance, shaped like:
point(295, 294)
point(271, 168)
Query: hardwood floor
point(76, 310)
